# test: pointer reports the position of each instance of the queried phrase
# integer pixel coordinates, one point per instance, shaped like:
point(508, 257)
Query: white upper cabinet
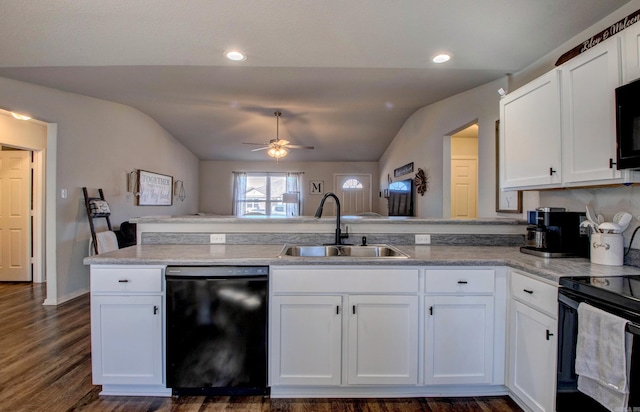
point(530, 134)
point(631, 53)
point(560, 129)
point(588, 113)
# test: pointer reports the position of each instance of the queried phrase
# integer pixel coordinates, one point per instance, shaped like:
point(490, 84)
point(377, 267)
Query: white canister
point(607, 249)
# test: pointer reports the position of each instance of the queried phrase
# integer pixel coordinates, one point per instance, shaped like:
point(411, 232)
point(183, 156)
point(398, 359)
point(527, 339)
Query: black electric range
point(622, 292)
point(618, 295)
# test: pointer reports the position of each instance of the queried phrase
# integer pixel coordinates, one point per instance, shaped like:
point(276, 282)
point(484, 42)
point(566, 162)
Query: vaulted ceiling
point(344, 74)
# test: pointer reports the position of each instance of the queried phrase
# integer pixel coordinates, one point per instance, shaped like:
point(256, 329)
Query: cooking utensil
point(591, 215)
point(610, 227)
point(593, 226)
point(624, 221)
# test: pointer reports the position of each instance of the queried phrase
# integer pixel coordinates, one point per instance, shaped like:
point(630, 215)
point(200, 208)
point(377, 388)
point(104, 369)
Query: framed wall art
point(155, 189)
point(403, 170)
point(506, 202)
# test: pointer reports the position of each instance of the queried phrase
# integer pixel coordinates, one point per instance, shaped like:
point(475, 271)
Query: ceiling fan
point(277, 147)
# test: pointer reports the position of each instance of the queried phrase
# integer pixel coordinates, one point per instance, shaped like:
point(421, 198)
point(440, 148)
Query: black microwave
point(628, 126)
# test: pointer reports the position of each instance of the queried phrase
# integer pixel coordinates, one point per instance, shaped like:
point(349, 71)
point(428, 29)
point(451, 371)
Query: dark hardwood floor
point(45, 365)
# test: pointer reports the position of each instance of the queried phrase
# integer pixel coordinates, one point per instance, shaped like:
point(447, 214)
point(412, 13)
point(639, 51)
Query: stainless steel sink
point(369, 251)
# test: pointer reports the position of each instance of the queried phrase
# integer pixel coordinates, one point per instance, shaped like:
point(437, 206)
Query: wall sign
point(403, 170)
point(600, 37)
point(316, 187)
point(155, 189)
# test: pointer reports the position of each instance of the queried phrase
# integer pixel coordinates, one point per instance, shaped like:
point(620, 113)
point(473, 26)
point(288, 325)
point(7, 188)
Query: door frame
point(446, 167)
point(44, 207)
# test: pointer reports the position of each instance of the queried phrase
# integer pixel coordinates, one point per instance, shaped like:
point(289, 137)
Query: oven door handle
point(631, 327)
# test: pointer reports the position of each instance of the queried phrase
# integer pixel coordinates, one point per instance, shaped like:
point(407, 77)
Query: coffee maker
point(554, 232)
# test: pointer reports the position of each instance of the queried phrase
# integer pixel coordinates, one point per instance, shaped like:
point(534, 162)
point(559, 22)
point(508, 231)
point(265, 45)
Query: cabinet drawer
point(534, 293)
point(341, 280)
point(459, 281)
point(126, 279)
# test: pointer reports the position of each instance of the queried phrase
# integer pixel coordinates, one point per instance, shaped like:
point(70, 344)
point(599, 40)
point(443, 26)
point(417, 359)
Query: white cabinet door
point(588, 114)
point(306, 340)
point(532, 357)
point(126, 339)
point(383, 339)
point(459, 339)
point(530, 135)
point(631, 53)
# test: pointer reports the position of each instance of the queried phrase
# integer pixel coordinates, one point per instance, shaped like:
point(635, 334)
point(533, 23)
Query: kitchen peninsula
point(444, 321)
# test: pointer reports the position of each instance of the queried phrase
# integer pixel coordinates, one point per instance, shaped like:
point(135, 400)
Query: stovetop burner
point(623, 291)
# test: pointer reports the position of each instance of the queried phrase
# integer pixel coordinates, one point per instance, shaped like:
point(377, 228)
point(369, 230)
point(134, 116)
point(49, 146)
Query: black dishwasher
point(217, 330)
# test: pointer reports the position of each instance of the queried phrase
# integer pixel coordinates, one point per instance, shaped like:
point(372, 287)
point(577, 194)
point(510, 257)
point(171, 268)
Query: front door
point(15, 227)
point(354, 192)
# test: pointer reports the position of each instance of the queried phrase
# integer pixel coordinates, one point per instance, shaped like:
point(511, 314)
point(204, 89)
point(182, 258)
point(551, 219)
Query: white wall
point(216, 181)
point(99, 142)
point(421, 140)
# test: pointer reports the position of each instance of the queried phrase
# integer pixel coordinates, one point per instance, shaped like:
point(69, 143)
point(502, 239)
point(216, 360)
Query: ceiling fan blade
point(260, 148)
point(296, 146)
point(256, 144)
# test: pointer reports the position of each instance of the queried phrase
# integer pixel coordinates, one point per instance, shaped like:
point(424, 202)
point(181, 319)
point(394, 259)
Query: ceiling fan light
point(277, 152)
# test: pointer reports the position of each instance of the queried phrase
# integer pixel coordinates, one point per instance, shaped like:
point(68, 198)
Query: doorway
point(40, 138)
point(464, 173)
point(15, 214)
point(354, 191)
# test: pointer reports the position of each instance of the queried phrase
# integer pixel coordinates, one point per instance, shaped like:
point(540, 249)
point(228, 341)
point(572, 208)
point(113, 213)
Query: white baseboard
point(62, 299)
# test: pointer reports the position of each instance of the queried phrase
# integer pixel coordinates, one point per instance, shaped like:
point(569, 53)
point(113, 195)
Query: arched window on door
point(352, 184)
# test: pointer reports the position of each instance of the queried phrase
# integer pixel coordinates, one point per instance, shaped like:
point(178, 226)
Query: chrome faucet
point(339, 235)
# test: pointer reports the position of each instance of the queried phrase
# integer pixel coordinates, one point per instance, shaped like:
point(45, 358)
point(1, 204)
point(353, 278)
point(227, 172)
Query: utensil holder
point(607, 249)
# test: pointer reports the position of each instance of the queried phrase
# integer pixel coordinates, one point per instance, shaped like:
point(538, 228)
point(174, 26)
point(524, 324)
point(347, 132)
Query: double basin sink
point(354, 251)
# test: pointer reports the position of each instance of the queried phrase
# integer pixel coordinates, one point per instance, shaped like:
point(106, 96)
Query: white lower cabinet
point(126, 339)
point(127, 333)
point(459, 326)
point(306, 340)
point(459, 339)
point(335, 326)
point(532, 343)
point(382, 340)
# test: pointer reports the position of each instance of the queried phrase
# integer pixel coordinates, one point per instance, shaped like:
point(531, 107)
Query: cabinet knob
point(462, 282)
point(353, 308)
point(431, 310)
point(611, 163)
point(337, 309)
point(549, 334)
point(155, 310)
point(123, 281)
point(551, 171)
point(527, 291)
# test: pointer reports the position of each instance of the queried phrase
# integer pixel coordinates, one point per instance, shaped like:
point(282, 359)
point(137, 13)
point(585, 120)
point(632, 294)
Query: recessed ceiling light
point(441, 58)
point(235, 56)
point(20, 116)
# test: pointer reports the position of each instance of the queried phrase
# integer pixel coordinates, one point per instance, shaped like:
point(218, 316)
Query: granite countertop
point(246, 255)
point(207, 218)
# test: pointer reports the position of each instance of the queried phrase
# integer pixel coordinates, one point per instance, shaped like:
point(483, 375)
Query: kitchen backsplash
point(177, 238)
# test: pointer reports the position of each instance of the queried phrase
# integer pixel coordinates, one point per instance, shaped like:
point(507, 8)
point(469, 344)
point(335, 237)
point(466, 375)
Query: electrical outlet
point(423, 239)
point(217, 238)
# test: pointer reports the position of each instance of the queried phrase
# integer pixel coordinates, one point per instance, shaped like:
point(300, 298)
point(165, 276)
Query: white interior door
point(354, 192)
point(15, 195)
point(464, 188)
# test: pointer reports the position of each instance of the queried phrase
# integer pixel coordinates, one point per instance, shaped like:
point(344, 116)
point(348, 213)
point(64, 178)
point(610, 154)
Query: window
point(352, 184)
point(262, 194)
